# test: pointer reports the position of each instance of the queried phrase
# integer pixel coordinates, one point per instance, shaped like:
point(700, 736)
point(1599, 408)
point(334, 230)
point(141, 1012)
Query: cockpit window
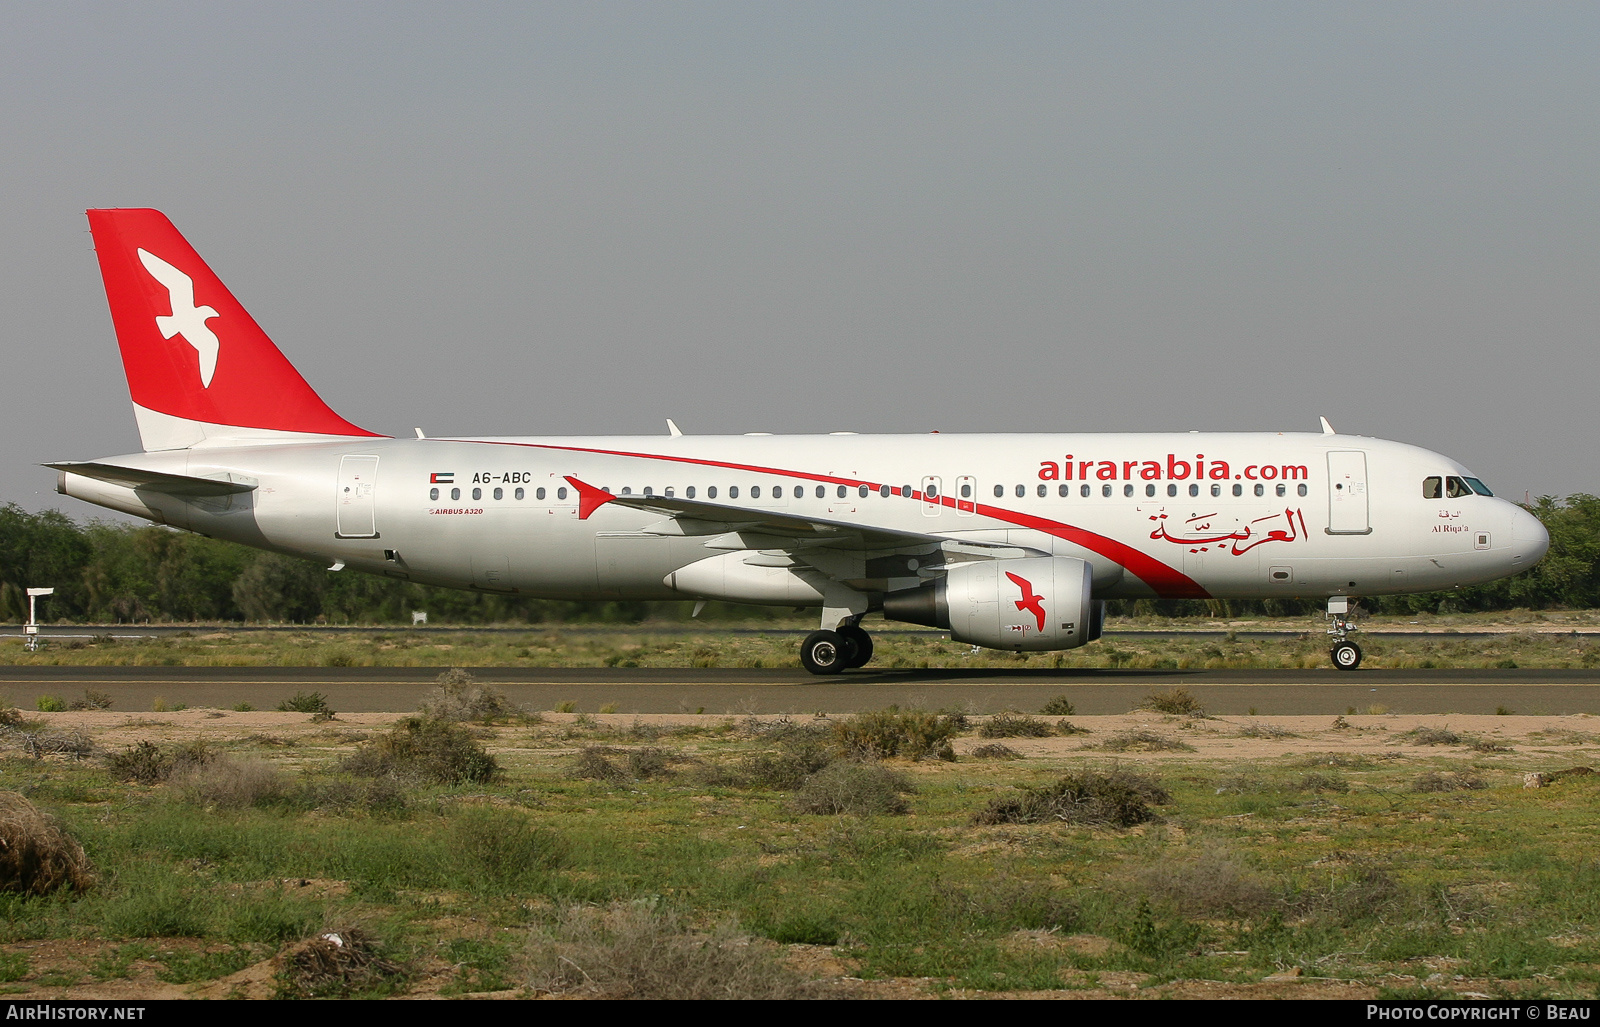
point(1431, 487)
point(1455, 488)
point(1479, 487)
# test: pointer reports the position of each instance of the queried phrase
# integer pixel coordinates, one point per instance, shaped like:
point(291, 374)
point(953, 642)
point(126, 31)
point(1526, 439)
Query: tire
point(860, 644)
point(1346, 655)
point(824, 652)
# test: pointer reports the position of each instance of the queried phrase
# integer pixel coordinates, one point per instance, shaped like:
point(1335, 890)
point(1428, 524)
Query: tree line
point(107, 573)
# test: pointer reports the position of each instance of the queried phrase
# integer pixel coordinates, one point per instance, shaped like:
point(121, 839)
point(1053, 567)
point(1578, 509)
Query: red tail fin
point(199, 367)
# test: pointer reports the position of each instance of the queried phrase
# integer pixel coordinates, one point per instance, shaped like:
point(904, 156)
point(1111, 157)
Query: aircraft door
point(966, 495)
point(932, 491)
point(354, 514)
point(1347, 493)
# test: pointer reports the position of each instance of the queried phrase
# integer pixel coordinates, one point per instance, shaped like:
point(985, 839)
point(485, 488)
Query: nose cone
point(1529, 540)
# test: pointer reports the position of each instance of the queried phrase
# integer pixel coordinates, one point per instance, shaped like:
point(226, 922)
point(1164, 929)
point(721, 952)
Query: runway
point(735, 691)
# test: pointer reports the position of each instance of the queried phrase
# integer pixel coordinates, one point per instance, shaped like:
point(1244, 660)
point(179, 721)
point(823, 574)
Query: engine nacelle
point(1030, 605)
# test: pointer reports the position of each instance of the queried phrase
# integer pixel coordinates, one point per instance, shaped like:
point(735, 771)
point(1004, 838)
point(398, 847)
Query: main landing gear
point(834, 652)
point(1346, 654)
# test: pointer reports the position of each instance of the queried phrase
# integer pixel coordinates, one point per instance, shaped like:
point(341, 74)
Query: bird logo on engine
point(1031, 600)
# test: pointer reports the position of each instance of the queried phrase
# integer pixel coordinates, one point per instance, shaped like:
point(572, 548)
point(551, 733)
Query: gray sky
point(796, 217)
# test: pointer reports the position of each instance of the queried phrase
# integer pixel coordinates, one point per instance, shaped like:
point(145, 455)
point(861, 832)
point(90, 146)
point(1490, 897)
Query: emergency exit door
point(358, 482)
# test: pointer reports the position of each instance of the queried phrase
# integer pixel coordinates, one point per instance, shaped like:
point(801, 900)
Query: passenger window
point(966, 490)
point(561, 493)
point(1064, 491)
point(800, 491)
point(538, 493)
point(1302, 489)
point(883, 490)
point(1105, 490)
point(1216, 490)
point(905, 491)
point(1431, 487)
point(667, 491)
point(1021, 490)
point(861, 492)
point(688, 493)
point(1194, 490)
point(499, 493)
point(1085, 491)
point(999, 492)
point(1149, 490)
point(477, 493)
point(1127, 490)
point(1044, 491)
point(844, 491)
point(650, 491)
point(1283, 490)
point(455, 494)
point(711, 492)
point(627, 490)
point(433, 493)
point(932, 491)
point(1172, 490)
point(755, 492)
point(1261, 490)
point(520, 493)
point(822, 491)
point(733, 492)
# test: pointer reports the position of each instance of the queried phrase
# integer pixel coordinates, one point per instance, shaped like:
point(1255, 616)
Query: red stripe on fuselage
point(1168, 582)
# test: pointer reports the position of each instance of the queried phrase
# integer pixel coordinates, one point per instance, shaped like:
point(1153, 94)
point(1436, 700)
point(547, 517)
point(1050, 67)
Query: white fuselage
point(1195, 515)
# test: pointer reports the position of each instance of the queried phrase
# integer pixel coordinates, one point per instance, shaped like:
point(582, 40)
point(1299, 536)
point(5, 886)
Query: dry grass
point(1113, 799)
point(995, 751)
point(36, 856)
point(861, 789)
point(460, 697)
point(227, 782)
point(1179, 702)
point(634, 951)
point(1012, 724)
point(1448, 781)
point(1143, 741)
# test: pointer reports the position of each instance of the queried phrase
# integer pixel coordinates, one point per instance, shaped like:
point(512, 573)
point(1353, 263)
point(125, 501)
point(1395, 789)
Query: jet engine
point(1028, 605)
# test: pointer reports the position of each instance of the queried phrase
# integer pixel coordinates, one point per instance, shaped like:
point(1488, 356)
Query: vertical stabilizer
point(200, 370)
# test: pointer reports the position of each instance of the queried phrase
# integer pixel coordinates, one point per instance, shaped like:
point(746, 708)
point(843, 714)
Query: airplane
point(1008, 541)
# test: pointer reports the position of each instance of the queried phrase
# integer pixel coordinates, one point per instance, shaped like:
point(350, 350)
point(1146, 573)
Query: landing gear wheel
point(860, 644)
point(824, 652)
point(1346, 655)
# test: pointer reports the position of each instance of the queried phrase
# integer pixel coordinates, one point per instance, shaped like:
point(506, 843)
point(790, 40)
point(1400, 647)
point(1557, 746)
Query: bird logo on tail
point(186, 319)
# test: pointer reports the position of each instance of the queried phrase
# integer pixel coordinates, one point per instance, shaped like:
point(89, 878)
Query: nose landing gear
point(1345, 653)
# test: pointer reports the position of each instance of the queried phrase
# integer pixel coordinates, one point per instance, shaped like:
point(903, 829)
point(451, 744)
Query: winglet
point(590, 498)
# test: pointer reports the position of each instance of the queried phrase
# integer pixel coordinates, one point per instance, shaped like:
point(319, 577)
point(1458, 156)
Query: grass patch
point(1115, 799)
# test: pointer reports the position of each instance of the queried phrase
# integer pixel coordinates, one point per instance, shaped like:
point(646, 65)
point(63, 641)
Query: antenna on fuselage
point(673, 429)
point(1327, 429)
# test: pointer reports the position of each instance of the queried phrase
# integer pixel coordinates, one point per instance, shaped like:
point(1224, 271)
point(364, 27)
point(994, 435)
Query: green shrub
point(914, 734)
point(1060, 706)
point(862, 789)
point(305, 702)
point(1012, 724)
point(1115, 799)
point(425, 749)
point(50, 704)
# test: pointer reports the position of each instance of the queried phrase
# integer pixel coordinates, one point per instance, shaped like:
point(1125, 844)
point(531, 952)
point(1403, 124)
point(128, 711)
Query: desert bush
point(460, 697)
point(610, 763)
point(306, 702)
point(1114, 799)
point(335, 964)
point(226, 782)
point(1447, 781)
point(1012, 724)
point(1060, 706)
point(424, 749)
point(36, 856)
point(503, 848)
point(50, 704)
point(1432, 736)
point(995, 751)
point(861, 789)
point(147, 763)
point(634, 951)
point(1256, 729)
point(1144, 741)
point(91, 701)
point(1179, 702)
point(1211, 884)
point(381, 795)
point(1008, 904)
point(914, 734)
point(1316, 782)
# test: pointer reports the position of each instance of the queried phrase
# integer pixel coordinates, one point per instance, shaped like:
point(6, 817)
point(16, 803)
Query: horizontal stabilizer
point(155, 481)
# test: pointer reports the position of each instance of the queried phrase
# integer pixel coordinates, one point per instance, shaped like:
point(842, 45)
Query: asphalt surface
point(734, 691)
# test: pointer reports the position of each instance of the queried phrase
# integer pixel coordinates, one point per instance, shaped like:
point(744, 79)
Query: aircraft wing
point(155, 481)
